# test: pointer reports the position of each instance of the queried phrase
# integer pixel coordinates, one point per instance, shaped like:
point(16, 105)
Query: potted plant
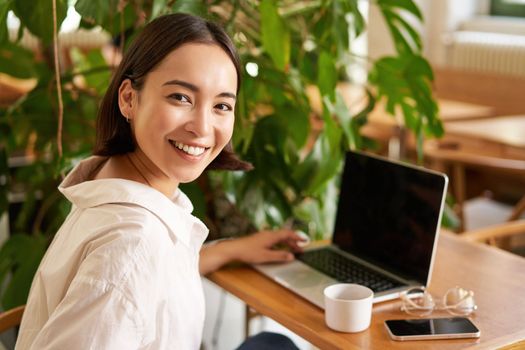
point(287, 47)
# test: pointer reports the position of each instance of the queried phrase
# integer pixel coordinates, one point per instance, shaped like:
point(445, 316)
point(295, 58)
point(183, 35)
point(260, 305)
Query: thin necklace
point(137, 169)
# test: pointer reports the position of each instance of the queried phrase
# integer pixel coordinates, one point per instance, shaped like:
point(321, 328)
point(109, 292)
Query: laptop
point(385, 232)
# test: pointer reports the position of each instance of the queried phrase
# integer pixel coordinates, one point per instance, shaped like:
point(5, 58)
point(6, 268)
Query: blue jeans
point(268, 341)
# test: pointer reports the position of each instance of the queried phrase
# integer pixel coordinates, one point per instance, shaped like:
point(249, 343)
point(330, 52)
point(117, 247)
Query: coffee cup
point(348, 307)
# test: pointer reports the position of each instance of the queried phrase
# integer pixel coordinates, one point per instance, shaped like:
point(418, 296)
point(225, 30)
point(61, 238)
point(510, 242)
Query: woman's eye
point(180, 98)
point(223, 107)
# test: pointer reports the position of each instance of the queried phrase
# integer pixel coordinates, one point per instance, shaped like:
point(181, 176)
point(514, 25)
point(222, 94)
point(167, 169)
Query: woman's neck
point(139, 167)
point(132, 166)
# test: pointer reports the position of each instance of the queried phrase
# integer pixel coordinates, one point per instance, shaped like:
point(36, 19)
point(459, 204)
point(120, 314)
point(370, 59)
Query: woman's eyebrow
point(227, 94)
point(182, 83)
point(195, 88)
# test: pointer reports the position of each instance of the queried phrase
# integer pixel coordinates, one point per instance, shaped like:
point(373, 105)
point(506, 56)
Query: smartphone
point(432, 328)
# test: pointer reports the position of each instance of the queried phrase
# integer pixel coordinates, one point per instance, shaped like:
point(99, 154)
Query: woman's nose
point(200, 122)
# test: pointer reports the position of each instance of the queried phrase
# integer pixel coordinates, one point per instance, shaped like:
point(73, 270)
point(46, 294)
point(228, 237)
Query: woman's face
point(184, 114)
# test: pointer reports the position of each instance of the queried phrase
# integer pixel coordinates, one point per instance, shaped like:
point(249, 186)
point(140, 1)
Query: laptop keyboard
point(345, 270)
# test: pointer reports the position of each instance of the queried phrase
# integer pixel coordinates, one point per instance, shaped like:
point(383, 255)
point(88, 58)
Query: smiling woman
point(123, 270)
point(187, 99)
point(147, 52)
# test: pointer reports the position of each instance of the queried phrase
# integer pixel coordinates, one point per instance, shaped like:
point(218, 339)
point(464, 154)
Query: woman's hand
point(268, 246)
point(260, 247)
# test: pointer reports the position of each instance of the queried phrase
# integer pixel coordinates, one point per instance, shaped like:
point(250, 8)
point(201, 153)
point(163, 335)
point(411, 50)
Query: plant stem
point(58, 81)
point(40, 215)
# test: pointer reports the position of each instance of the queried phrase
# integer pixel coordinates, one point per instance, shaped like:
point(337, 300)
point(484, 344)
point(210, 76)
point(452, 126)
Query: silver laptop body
point(387, 221)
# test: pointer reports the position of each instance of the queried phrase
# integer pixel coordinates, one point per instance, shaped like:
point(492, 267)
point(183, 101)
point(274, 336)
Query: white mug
point(348, 307)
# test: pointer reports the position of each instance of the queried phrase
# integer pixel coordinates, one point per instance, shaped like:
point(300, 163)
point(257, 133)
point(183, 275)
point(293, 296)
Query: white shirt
point(121, 273)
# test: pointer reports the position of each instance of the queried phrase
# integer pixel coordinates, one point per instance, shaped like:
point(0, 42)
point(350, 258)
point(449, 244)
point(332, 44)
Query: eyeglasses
point(456, 301)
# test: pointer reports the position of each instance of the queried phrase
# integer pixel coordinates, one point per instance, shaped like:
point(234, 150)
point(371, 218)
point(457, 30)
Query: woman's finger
point(304, 239)
point(278, 255)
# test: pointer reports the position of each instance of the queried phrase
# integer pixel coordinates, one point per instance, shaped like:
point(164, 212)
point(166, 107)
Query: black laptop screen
point(388, 213)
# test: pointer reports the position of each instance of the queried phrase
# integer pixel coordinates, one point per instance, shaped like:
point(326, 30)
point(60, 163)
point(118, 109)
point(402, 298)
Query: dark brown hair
point(150, 47)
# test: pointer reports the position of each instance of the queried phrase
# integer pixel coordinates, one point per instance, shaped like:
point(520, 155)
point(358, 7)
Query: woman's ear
point(127, 99)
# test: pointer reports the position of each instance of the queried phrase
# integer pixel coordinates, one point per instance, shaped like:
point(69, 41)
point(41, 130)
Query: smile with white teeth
point(191, 150)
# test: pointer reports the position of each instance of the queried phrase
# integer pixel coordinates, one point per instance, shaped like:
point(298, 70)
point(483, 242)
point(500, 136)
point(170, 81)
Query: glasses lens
point(417, 301)
point(459, 301)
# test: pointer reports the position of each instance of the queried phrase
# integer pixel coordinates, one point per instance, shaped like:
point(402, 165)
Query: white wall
point(379, 41)
point(440, 17)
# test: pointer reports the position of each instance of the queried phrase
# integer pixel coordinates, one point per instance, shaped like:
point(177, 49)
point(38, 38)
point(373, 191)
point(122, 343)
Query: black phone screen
point(433, 326)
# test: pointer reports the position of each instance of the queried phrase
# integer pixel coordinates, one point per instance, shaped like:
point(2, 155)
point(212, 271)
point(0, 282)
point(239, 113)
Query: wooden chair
point(493, 234)
point(11, 318)
point(456, 161)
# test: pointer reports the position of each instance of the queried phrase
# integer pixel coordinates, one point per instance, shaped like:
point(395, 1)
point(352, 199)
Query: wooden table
point(500, 136)
point(449, 111)
point(355, 99)
point(386, 128)
point(496, 277)
point(488, 154)
point(390, 130)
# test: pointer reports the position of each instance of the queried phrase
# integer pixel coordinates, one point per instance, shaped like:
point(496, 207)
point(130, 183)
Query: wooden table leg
point(249, 315)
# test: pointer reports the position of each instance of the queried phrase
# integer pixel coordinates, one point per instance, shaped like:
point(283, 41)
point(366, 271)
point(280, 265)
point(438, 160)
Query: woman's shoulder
point(115, 242)
point(119, 223)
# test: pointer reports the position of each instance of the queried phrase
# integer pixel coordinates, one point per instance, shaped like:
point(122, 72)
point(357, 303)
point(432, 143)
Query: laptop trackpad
point(296, 274)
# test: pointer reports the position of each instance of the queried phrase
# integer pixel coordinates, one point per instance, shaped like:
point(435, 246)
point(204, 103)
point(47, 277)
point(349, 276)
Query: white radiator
point(487, 52)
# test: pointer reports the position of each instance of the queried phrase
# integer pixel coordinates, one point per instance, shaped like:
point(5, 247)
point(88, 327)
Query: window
point(512, 8)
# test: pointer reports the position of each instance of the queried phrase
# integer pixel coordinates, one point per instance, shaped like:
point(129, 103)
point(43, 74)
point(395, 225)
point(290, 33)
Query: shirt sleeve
point(93, 315)
point(109, 303)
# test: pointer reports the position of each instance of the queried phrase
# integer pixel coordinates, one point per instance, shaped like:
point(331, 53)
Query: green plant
point(294, 181)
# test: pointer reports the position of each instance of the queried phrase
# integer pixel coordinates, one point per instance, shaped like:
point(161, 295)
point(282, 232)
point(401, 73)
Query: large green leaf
point(339, 28)
point(158, 7)
point(194, 192)
point(114, 16)
point(243, 130)
point(307, 67)
point(4, 183)
point(20, 256)
point(405, 5)
point(315, 216)
point(361, 118)
point(94, 67)
point(357, 22)
point(198, 8)
point(340, 110)
point(4, 8)
point(323, 161)
point(406, 31)
point(94, 11)
point(37, 16)
point(269, 147)
point(274, 34)
point(326, 75)
point(405, 83)
point(289, 127)
point(260, 199)
point(265, 203)
point(419, 67)
point(406, 39)
point(17, 61)
point(253, 203)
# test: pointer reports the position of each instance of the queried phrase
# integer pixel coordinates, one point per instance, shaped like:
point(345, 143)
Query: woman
point(123, 270)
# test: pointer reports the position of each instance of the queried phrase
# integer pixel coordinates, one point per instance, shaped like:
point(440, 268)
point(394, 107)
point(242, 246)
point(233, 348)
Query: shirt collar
point(175, 212)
